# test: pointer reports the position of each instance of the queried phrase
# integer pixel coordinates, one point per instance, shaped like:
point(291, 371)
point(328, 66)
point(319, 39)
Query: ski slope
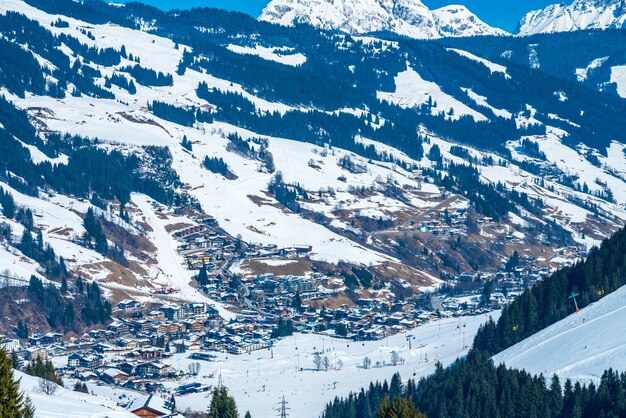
point(257, 381)
point(308, 391)
point(66, 403)
point(579, 347)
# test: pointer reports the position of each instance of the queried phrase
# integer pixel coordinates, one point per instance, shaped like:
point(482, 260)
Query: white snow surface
point(582, 73)
point(409, 18)
point(493, 67)
point(579, 347)
point(412, 91)
point(579, 15)
point(258, 381)
point(482, 101)
point(618, 76)
point(67, 403)
point(275, 54)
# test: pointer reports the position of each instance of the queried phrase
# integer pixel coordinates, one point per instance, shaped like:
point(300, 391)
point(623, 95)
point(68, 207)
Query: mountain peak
point(458, 20)
point(409, 18)
point(579, 15)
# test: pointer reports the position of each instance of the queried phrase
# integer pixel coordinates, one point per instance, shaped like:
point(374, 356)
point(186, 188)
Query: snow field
point(579, 347)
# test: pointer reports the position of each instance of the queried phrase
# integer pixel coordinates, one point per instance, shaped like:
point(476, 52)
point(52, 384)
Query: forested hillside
point(601, 273)
point(474, 387)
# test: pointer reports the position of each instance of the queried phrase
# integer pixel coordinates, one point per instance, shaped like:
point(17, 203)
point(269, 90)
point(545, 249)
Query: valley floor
point(258, 381)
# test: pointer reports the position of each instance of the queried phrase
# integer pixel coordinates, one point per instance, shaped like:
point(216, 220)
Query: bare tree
point(395, 358)
point(317, 360)
point(326, 362)
point(367, 363)
point(47, 387)
point(194, 368)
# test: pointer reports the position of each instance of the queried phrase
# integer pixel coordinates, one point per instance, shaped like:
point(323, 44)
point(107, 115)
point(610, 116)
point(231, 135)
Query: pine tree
point(79, 285)
point(21, 330)
point(398, 408)
point(15, 360)
point(203, 277)
point(297, 301)
point(222, 404)
point(13, 403)
point(247, 415)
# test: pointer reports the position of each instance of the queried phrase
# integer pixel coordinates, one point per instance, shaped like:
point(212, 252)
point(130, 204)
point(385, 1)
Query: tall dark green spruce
point(13, 403)
point(398, 408)
point(222, 404)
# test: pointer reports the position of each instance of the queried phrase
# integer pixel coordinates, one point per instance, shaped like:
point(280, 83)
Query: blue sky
point(501, 13)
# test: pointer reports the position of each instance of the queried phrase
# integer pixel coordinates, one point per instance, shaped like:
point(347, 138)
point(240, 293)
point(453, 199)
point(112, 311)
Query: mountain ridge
point(579, 15)
point(409, 18)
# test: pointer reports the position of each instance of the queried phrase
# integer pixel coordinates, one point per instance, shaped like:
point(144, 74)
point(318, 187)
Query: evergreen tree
point(63, 285)
point(81, 387)
point(297, 301)
point(21, 330)
point(8, 204)
point(185, 143)
point(80, 288)
point(13, 403)
point(512, 262)
point(203, 277)
point(15, 360)
point(222, 404)
point(398, 408)
point(44, 370)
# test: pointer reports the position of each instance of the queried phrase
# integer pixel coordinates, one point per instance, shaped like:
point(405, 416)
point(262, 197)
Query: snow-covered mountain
point(581, 14)
point(581, 189)
point(405, 17)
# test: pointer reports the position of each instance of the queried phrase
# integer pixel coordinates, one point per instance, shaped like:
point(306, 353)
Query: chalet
point(119, 328)
point(33, 353)
point(87, 376)
point(149, 353)
point(154, 368)
point(128, 304)
point(113, 376)
point(9, 345)
point(159, 329)
point(197, 309)
point(127, 367)
point(156, 316)
point(108, 348)
point(141, 325)
point(151, 406)
point(45, 339)
point(194, 326)
point(90, 361)
point(173, 312)
point(202, 356)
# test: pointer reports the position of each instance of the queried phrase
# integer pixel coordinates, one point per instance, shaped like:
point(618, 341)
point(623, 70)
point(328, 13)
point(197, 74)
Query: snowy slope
point(581, 14)
point(405, 17)
point(258, 381)
point(66, 403)
point(242, 205)
point(412, 91)
point(618, 76)
point(580, 346)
